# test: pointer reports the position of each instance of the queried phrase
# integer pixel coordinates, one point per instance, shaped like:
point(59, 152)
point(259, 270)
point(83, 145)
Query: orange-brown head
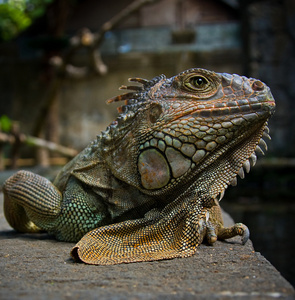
point(198, 124)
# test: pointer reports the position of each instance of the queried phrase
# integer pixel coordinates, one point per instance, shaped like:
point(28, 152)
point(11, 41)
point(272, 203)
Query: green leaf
point(17, 15)
point(5, 123)
point(12, 21)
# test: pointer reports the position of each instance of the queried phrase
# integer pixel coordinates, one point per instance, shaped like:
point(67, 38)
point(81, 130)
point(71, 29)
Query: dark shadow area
point(270, 214)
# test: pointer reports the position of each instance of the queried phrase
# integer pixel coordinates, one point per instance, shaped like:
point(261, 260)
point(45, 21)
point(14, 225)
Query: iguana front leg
point(31, 202)
point(216, 229)
point(176, 231)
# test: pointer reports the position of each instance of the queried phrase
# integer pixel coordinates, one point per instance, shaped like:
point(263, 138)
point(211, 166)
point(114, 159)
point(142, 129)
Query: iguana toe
point(237, 229)
point(243, 231)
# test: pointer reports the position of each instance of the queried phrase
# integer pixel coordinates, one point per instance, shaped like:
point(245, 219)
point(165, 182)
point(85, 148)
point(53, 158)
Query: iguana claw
point(243, 231)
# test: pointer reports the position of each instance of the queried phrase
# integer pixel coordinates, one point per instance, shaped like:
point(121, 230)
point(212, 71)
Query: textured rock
point(38, 267)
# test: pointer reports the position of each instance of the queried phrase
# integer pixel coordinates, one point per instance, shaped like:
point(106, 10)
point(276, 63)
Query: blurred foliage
point(5, 123)
point(17, 15)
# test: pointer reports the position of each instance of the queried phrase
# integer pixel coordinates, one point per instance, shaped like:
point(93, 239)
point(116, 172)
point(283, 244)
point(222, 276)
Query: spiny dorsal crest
point(133, 103)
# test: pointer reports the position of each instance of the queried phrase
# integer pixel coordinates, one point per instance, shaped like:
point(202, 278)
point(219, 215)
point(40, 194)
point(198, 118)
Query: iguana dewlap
point(148, 187)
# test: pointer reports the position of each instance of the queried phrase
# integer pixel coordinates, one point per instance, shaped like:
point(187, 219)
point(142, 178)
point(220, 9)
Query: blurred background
point(61, 60)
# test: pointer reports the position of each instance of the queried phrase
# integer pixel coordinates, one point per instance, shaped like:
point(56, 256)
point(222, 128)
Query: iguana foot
point(214, 233)
point(211, 235)
point(216, 230)
point(237, 229)
point(222, 233)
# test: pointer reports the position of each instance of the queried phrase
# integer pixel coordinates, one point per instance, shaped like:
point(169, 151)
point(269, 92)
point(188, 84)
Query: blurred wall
point(272, 59)
point(150, 42)
point(258, 42)
point(83, 111)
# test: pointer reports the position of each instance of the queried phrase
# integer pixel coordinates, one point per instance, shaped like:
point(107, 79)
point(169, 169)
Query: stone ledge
point(38, 267)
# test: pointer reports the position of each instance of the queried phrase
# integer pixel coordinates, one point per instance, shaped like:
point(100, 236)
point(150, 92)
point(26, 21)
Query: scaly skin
point(148, 187)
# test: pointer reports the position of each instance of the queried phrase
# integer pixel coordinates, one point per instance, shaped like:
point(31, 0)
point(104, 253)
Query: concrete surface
point(39, 267)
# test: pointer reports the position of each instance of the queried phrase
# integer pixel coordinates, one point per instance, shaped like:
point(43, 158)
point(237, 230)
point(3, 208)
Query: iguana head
point(198, 128)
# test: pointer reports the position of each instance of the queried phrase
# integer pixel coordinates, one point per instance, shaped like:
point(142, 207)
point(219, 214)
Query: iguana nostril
point(257, 85)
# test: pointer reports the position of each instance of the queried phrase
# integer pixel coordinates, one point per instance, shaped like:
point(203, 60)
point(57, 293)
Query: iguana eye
point(196, 83)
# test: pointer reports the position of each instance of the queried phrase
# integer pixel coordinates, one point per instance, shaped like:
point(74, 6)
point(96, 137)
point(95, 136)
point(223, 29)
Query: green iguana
point(148, 188)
